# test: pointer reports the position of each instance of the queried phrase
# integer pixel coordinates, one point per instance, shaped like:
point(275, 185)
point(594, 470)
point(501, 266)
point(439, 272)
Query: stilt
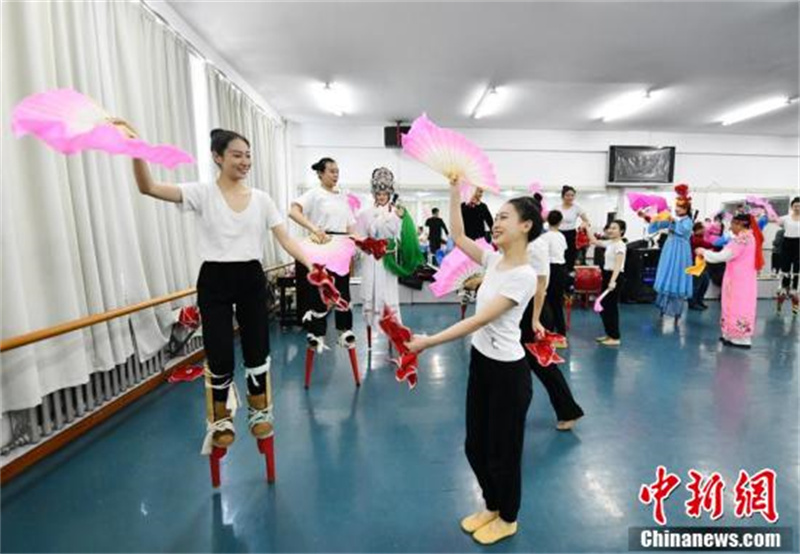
point(267, 448)
point(463, 310)
point(216, 455)
point(309, 365)
point(354, 365)
point(369, 337)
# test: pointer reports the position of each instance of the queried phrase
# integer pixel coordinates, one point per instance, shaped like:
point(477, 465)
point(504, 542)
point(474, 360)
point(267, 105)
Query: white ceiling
point(560, 62)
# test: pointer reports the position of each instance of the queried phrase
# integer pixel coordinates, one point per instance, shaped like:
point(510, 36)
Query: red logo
point(705, 497)
point(658, 492)
point(756, 494)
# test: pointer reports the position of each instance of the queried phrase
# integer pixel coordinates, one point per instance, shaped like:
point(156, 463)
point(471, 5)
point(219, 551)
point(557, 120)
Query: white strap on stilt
point(256, 416)
point(311, 314)
point(215, 427)
point(253, 372)
point(226, 424)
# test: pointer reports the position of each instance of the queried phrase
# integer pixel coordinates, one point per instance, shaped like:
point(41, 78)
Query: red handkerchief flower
point(544, 349)
point(399, 335)
point(581, 239)
point(374, 247)
point(331, 297)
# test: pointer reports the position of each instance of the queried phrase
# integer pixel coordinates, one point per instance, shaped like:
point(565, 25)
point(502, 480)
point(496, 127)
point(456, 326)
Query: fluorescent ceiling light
point(627, 104)
point(489, 103)
point(754, 110)
point(332, 98)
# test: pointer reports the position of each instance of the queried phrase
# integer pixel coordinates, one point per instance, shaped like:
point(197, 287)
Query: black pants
point(498, 397)
point(553, 312)
point(610, 313)
point(222, 286)
point(790, 256)
point(308, 299)
point(699, 288)
point(571, 253)
point(551, 377)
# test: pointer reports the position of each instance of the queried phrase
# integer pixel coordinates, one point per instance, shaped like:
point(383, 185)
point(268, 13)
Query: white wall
point(717, 167)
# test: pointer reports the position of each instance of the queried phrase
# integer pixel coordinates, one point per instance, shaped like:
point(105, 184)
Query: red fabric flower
point(399, 335)
point(581, 239)
point(374, 247)
point(543, 348)
point(330, 296)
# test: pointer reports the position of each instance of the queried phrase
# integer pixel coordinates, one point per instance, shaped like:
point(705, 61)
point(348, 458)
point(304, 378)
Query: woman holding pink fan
point(325, 212)
point(233, 222)
point(500, 389)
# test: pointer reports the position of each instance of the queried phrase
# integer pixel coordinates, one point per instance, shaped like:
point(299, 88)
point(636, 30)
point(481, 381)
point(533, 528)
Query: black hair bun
point(216, 132)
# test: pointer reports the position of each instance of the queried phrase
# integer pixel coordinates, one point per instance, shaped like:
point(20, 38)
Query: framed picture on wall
point(641, 164)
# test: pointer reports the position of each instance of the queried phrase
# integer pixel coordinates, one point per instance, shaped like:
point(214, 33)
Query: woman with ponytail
point(233, 220)
point(499, 391)
point(744, 258)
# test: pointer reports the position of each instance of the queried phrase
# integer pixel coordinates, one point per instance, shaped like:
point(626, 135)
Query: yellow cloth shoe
point(473, 522)
point(494, 531)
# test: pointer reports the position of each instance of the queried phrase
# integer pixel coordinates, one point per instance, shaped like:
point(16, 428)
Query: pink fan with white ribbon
point(335, 254)
point(639, 201)
point(70, 122)
point(456, 268)
point(598, 303)
point(449, 153)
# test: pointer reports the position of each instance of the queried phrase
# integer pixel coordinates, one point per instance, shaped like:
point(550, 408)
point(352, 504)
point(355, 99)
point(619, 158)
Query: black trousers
point(571, 253)
point(221, 288)
point(308, 299)
point(553, 311)
point(551, 377)
point(699, 288)
point(498, 397)
point(610, 313)
point(790, 257)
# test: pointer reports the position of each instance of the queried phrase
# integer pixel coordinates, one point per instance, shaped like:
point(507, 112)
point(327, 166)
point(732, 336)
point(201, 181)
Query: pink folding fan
point(335, 254)
point(70, 122)
point(449, 153)
point(639, 201)
point(456, 268)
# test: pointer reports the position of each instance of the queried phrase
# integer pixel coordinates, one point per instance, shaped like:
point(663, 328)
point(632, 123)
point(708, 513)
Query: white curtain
point(77, 238)
point(231, 109)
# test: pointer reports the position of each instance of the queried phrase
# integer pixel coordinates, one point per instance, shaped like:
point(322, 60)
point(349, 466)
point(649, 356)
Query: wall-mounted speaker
point(391, 135)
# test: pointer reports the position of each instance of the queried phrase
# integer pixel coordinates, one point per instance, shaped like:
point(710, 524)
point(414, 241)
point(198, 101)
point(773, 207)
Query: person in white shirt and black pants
point(613, 272)
point(325, 212)
point(233, 220)
point(553, 316)
point(568, 412)
point(500, 389)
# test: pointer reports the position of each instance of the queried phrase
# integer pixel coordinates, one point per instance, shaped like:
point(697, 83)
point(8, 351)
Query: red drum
point(588, 279)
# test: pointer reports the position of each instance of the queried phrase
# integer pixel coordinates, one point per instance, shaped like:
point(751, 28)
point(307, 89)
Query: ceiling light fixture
point(489, 103)
point(759, 108)
point(628, 104)
point(333, 99)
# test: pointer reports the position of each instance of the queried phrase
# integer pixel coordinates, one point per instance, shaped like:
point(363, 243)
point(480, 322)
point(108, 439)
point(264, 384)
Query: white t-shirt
point(791, 227)
point(329, 211)
point(612, 249)
point(556, 246)
point(539, 256)
point(499, 340)
point(226, 235)
point(571, 215)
